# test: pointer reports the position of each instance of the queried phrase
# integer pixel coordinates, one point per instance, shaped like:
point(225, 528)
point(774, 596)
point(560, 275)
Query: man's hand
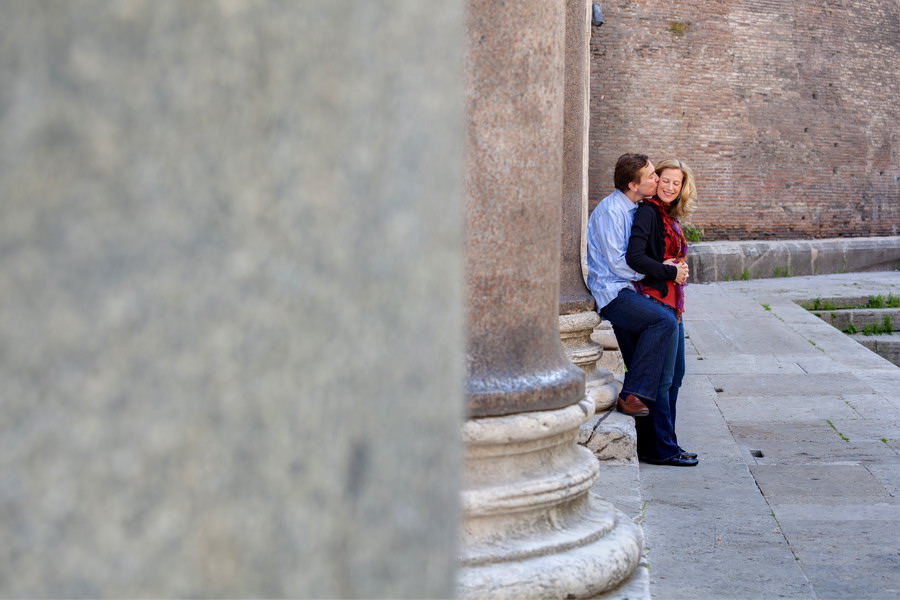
point(682, 267)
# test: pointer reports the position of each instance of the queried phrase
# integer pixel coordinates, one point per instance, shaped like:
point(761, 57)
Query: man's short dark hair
point(627, 168)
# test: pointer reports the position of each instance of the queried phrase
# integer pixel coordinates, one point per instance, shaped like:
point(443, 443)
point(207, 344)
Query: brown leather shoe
point(632, 406)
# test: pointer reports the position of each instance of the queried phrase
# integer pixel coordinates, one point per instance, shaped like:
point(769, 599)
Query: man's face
point(646, 185)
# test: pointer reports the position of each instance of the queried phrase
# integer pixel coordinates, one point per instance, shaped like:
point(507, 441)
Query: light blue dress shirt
point(608, 230)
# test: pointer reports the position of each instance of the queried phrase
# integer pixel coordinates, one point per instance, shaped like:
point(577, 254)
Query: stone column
point(577, 317)
point(531, 529)
point(232, 298)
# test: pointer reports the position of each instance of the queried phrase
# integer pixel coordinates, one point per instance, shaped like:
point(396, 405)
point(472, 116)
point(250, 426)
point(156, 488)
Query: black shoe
point(676, 461)
point(687, 454)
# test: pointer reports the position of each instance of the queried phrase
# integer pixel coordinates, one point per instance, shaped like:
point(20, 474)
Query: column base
point(575, 332)
point(605, 391)
point(611, 359)
point(636, 587)
point(581, 571)
point(531, 527)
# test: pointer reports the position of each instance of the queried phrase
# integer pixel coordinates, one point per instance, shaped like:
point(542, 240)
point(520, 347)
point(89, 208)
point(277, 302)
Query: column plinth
point(530, 527)
point(575, 331)
point(612, 356)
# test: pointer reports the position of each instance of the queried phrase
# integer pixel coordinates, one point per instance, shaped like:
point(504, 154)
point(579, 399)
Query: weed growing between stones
point(886, 326)
point(880, 301)
point(819, 304)
point(744, 276)
point(767, 307)
point(782, 272)
point(692, 234)
point(843, 437)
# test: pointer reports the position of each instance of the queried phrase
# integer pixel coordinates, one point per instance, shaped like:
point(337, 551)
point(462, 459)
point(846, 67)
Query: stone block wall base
point(611, 437)
point(580, 572)
point(758, 259)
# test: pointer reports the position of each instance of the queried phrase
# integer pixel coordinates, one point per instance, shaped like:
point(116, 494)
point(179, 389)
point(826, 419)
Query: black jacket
point(647, 249)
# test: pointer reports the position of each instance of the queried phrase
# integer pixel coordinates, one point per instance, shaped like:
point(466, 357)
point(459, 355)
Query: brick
point(787, 112)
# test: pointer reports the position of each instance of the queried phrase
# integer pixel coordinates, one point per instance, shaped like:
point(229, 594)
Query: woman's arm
point(645, 223)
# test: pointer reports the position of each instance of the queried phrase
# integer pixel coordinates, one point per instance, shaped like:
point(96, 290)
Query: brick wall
point(787, 111)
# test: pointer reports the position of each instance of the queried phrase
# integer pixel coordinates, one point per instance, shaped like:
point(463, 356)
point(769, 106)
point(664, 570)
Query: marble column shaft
point(515, 95)
point(576, 305)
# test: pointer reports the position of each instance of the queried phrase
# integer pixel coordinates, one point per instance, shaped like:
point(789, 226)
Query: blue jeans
point(644, 330)
point(673, 375)
point(656, 432)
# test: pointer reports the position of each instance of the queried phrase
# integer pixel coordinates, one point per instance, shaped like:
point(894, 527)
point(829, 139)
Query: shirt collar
point(625, 200)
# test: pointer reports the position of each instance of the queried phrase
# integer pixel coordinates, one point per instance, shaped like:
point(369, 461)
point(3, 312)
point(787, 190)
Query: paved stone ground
point(798, 428)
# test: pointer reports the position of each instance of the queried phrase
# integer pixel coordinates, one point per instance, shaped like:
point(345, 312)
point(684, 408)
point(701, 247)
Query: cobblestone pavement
point(798, 429)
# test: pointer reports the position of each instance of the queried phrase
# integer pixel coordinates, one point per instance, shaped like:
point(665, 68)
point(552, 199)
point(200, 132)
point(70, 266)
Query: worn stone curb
point(722, 261)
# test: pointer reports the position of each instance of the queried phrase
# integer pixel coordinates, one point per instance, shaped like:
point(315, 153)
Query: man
point(643, 328)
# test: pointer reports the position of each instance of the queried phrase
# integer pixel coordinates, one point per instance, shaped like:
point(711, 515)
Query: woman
point(656, 245)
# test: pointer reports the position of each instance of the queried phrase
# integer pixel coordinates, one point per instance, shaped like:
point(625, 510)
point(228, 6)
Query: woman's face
point(669, 186)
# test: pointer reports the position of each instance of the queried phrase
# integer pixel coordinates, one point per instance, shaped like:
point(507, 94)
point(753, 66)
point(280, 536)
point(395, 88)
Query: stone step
point(858, 317)
point(886, 345)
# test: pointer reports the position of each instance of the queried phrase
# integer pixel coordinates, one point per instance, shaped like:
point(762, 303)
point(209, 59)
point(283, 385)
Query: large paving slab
point(797, 425)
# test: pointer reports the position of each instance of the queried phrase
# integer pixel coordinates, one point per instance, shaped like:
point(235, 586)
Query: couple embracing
point(636, 252)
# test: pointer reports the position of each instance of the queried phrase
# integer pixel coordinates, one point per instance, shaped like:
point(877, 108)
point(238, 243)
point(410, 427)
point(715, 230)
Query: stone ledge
point(722, 261)
point(885, 345)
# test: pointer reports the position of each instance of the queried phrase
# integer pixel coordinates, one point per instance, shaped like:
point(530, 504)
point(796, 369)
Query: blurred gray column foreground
point(530, 527)
point(230, 298)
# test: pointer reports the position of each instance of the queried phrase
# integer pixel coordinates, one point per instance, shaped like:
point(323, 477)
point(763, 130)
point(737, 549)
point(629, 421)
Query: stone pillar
point(577, 317)
point(531, 529)
point(232, 298)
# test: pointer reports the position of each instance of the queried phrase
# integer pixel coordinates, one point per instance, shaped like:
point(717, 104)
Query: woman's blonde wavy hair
point(686, 202)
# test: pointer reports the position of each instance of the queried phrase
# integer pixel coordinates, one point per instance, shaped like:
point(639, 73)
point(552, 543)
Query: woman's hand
point(682, 267)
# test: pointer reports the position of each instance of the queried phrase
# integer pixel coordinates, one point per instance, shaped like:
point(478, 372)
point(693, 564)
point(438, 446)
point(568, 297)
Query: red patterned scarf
point(675, 247)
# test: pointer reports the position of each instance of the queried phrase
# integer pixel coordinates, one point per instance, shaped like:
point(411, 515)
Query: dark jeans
point(673, 375)
point(656, 438)
point(644, 331)
point(647, 333)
